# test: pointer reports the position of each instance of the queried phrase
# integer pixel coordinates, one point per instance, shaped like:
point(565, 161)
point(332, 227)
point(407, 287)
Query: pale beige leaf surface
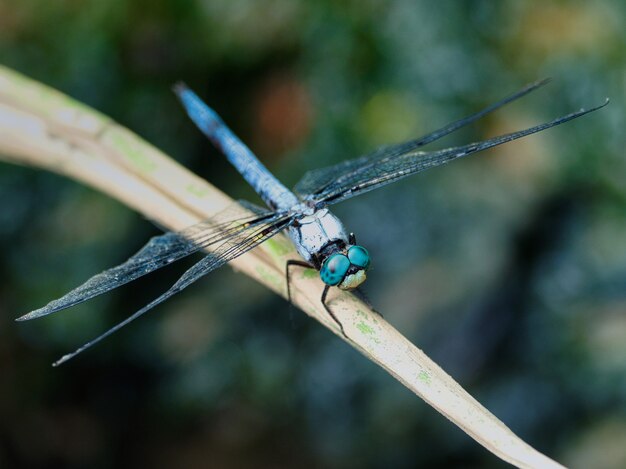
point(43, 128)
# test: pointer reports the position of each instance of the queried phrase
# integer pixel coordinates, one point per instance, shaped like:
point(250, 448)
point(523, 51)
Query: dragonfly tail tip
point(179, 87)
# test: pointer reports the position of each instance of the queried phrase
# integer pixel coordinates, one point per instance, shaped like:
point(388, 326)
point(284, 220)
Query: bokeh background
point(508, 268)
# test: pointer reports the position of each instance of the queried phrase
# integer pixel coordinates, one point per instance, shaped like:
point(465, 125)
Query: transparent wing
point(315, 182)
point(227, 250)
point(373, 173)
point(164, 250)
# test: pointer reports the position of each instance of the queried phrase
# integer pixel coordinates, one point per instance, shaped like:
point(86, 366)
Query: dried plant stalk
point(43, 128)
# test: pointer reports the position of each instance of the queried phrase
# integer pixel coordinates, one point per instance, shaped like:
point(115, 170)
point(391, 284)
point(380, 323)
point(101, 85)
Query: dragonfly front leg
point(329, 311)
point(306, 265)
point(292, 262)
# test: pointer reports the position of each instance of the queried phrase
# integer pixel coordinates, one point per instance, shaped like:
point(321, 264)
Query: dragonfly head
point(346, 270)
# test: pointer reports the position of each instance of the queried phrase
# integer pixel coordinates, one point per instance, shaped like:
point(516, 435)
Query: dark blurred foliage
point(509, 268)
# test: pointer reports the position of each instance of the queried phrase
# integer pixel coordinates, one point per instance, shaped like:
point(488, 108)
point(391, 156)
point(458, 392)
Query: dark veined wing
point(226, 250)
point(374, 173)
point(316, 181)
point(164, 250)
point(223, 250)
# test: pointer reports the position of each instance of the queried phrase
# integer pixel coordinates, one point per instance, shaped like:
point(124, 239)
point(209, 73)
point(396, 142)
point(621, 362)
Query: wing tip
point(62, 360)
point(33, 315)
point(541, 82)
point(595, 108)
point(52, 307)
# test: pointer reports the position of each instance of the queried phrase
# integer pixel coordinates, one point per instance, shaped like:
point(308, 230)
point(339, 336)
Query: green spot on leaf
point(364, 328)
point(132, 151)
point(309, 273)
point(197, 191)
point(424, 377)
point(270, 278)
point(278, 247)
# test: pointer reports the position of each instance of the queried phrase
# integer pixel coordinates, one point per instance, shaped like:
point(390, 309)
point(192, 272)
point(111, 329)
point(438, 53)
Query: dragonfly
point(303, 213)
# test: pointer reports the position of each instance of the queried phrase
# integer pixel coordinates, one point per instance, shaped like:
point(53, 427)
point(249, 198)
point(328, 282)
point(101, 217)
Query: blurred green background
point(508, 269)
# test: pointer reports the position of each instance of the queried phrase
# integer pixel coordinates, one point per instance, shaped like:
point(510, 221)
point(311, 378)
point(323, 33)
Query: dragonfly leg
point(292, 262)
point(329, 311)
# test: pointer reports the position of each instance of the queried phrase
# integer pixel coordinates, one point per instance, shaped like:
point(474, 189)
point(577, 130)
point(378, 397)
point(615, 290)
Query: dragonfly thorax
point(322, 240)
point(315, 232)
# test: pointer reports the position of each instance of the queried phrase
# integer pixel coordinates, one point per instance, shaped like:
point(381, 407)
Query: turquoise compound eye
point(359, 256)
point(334, 269)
